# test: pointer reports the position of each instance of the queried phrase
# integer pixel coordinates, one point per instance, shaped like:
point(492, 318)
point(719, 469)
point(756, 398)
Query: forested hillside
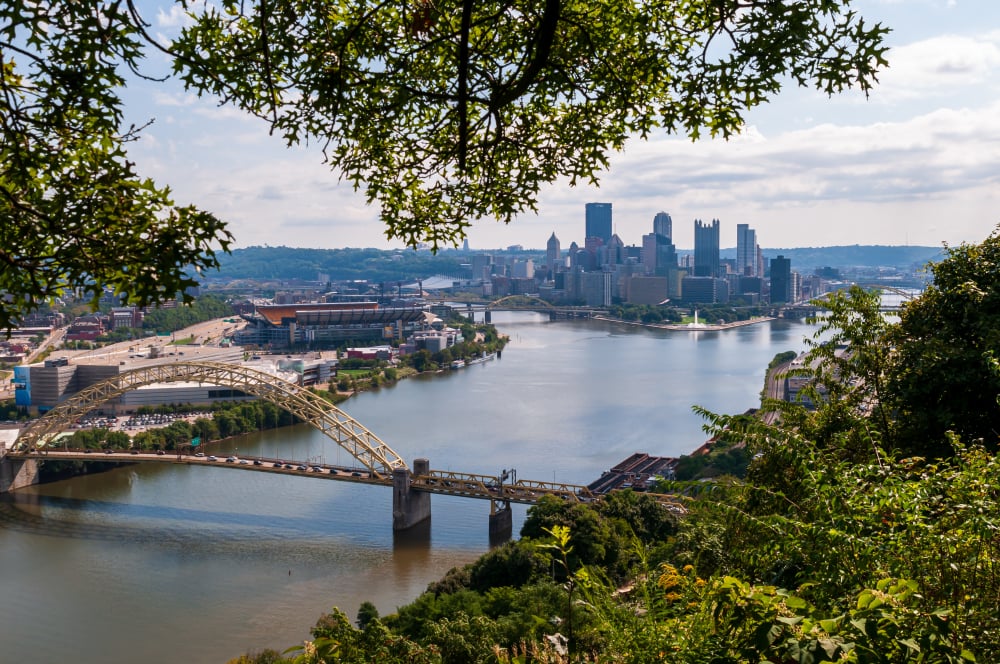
point(376, 265)
point(806, 259)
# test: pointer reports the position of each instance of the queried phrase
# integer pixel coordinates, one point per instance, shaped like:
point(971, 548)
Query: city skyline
point(911, 165)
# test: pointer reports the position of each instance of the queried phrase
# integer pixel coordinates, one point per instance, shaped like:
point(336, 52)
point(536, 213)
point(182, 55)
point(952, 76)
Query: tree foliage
point(443, 114)
point(201, 309)
point(946, 373)
point(447, 113)
point(77, 214)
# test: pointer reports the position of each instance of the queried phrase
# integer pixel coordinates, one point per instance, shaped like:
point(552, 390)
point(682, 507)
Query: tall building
point(482, 267)
point(649, 252)
point(704, 290)
point(746, 251)
point(614, 253)
point(781, 280)
point(552, 253)
point(599, 221)
point(595, 288)
point(666, 256)
point(706, 248)
point(663, 225)
point(522, 269)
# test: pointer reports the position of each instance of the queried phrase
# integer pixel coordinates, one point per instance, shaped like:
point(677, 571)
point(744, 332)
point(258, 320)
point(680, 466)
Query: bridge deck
point(446, 482)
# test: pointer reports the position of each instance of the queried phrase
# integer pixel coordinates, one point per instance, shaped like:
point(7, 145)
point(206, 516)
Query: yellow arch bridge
point(377, 462)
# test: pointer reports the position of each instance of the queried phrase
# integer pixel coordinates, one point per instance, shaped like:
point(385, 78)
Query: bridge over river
point(377, 463)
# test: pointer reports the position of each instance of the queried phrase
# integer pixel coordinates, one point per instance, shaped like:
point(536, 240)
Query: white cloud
point(939, 66)
point(810, 186)
point(174, 99)
point(174, 17)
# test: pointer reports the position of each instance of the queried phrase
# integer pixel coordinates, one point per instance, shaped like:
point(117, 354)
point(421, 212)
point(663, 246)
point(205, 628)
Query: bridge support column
point(501, 522)
point(409, 507)
point(487, 317)
point(17, 473)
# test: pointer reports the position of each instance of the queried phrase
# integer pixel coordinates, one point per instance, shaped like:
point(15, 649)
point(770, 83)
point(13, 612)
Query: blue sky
point(918, 162)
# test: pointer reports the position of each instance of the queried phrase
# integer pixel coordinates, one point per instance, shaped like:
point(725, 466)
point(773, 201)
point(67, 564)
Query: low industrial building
point(41, 387)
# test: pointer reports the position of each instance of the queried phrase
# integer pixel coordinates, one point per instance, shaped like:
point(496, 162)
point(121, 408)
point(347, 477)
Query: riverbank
point(688, 327)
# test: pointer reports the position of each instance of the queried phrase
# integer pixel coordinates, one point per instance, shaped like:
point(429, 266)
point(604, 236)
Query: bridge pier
point(17, 473)
point(501, 522)
point(409, 507)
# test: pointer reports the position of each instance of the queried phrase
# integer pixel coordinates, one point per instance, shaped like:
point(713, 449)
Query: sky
point(917, 162)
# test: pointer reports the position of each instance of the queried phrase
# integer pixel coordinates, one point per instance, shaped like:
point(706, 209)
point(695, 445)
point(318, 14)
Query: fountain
point(696, 325)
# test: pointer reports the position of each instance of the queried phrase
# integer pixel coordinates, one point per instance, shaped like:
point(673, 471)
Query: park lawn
point(355, 373)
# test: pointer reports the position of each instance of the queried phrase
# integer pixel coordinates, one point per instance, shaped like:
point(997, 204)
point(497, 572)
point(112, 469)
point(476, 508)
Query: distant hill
point(287, 263)
point(806, 259)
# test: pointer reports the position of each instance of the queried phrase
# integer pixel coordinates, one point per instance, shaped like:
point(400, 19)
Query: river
point(164, 564)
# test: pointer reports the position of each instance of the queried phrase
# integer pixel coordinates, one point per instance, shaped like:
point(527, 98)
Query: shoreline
point(688, 327)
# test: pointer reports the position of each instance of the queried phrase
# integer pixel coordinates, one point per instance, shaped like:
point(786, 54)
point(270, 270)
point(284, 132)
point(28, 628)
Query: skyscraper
point(706, 248)
point(663, 225)
point(552, 253)
point(599, 221)
point(614, 253)
point(746, 251)
point(781, 280)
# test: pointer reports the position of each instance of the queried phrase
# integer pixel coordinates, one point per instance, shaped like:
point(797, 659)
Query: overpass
point(377, 463)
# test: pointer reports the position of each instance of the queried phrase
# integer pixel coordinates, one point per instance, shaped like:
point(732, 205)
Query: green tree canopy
point(77, 214)
point(946, 371)
point(443, 113)
point(450, 112)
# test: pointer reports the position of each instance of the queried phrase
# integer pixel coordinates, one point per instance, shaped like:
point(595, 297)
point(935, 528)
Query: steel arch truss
point(340, 427)
point(498, 304)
